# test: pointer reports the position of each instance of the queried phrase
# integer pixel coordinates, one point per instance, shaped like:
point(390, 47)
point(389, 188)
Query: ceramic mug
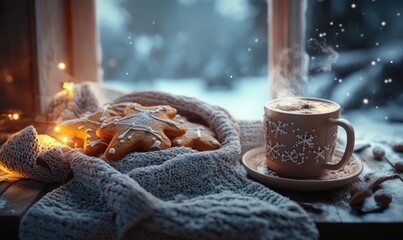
point(301, 135)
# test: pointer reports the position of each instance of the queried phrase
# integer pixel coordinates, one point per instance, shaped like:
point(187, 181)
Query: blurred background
point(216, 50)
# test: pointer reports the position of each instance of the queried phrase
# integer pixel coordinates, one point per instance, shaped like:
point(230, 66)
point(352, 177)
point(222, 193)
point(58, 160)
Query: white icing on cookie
point(139, 121)
point(157, 144)
point(96, 142)
point(198, 132)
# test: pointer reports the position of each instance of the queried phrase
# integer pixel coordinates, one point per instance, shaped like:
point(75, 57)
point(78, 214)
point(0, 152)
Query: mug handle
point(349, 146)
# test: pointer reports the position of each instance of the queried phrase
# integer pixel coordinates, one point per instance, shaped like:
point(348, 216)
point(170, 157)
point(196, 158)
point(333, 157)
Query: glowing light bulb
point(61, 65)
point(69, 86)
point(13, 116)
point(9, 79)
point(57, 129)
point(65, 140)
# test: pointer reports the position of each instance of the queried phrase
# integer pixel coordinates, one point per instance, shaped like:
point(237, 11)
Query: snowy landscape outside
point(217, 51)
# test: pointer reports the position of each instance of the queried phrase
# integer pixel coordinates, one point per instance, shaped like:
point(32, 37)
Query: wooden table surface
point(334, 217)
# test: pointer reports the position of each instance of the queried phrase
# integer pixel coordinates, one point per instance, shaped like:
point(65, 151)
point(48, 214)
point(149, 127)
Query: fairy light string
point(13, 119)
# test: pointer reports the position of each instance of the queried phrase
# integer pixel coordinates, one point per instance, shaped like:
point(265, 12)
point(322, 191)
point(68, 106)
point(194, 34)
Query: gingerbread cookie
point(197, 136)
point(117, 109)
point(142, 128)
point(85, 128)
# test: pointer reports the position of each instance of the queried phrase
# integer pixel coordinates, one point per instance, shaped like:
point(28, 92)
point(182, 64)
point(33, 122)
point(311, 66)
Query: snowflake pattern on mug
point(293, 156)
point(278, 128)
point(320, 153)
point(305, 140)
point(304, 143)
point(274, 149)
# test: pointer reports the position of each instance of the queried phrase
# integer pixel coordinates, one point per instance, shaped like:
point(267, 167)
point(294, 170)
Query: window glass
point(217, 51)
point(213, 50)
point(356, 52)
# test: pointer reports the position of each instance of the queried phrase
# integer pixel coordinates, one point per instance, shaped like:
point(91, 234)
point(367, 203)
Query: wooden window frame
point(37, 35)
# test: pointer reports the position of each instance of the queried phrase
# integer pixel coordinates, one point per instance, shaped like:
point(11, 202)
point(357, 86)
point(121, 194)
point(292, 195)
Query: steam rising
point(290, 71)
point(325, 56)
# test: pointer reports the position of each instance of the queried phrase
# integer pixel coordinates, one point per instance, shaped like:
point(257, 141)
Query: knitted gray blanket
point(177, 193)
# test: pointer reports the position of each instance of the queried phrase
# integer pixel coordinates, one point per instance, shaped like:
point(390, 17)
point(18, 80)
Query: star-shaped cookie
point(85, 128)
point(197, 136)
point(142, 128)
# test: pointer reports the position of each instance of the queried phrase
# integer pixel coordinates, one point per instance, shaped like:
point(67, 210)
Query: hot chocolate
point(301, 135)
point(303, 106)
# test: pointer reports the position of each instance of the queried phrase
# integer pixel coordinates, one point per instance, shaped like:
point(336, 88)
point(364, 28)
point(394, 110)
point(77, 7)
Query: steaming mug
point(301, 135)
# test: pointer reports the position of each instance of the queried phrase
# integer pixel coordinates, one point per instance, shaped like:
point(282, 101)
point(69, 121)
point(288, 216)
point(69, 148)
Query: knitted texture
point(177, 193)
point(26, 155)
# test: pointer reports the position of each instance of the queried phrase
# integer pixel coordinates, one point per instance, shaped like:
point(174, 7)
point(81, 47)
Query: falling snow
point(351, 32)
point(365, 101)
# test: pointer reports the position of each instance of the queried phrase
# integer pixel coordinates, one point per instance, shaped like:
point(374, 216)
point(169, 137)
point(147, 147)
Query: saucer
point(254, 162)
